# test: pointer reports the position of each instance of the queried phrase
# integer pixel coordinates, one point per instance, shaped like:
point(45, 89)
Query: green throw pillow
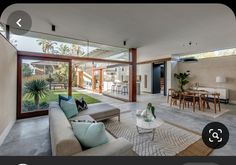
point(90, 134)
point(69, 108)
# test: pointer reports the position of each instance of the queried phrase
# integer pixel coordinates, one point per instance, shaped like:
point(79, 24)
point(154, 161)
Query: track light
point(53, 28)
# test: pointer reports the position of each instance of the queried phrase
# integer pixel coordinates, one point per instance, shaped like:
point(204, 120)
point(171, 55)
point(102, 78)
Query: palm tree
point(63, 49)
point(47, 46)
point(36, 89)
point(76, 50)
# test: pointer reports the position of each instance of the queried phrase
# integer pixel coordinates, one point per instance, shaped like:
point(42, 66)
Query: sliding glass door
point(40, 81)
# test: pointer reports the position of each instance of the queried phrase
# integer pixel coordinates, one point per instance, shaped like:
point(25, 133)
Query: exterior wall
point(8, 76)
point(205, 71)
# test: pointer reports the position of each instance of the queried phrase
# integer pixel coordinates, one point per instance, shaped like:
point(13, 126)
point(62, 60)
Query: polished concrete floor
point(28, 137)
point(31, 136)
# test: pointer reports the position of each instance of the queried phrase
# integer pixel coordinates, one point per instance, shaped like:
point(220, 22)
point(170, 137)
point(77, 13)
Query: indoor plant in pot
point(182, 79)
point(149, 113)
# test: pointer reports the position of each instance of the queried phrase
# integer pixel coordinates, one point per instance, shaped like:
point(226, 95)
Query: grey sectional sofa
point(64, 143)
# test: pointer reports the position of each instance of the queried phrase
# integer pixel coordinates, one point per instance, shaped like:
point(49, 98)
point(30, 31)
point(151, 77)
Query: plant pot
point(147, 115)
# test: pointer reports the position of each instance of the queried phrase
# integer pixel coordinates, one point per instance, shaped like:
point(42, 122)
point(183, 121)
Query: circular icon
point(20, 22)
point(215, 135)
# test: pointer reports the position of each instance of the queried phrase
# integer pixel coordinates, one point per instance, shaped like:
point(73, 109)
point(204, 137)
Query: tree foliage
point(182, 79)
point(36, 89)
point(26, 70)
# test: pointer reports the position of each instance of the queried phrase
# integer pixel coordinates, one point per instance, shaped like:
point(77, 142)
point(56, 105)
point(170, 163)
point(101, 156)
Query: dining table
point(200, 94)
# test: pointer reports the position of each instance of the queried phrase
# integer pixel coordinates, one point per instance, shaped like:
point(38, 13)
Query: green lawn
point(28, 104)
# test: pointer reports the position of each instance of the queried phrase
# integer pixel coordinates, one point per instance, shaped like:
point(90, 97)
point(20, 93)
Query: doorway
point(159, 78)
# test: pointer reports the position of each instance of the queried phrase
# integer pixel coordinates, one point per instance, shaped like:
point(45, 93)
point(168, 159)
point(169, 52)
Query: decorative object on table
point(182, 79)
point(220, 79)
point(194, 86)
point(139, 112)
point(149, 113)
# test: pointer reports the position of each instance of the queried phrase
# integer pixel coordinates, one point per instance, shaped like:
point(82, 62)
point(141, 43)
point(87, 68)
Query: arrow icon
point(18, 22)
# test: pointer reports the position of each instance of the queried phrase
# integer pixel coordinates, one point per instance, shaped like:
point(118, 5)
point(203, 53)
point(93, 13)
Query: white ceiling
point(163, 26)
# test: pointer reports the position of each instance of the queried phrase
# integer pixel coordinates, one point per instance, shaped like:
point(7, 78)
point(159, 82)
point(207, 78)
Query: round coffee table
point(147, 127)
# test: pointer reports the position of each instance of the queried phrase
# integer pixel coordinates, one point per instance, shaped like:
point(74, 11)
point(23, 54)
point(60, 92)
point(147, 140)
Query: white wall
point(145, 69)
point(148, 53)
point(205, 71)
point(174, 69)
point(8, 75)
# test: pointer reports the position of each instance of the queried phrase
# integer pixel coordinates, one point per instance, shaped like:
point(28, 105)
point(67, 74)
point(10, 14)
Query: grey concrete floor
point(28, 137)
point(31, 136)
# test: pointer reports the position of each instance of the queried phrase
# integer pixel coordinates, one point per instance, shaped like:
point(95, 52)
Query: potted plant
point(36, 89)
point(182, 79)
point(149, 113)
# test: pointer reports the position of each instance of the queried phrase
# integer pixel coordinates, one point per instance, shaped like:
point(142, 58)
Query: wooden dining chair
point(175, 98)
point(216, 101)
point(203, 101)
point(192, 98)
point(169, 94)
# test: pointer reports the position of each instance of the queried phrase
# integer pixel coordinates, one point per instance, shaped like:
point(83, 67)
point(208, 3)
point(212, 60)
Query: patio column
point(81, 79)
point(93, 80)
point(100, 80)
point(132, 74)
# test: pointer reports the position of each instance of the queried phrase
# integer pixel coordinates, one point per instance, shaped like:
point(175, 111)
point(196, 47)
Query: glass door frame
point(20, 58)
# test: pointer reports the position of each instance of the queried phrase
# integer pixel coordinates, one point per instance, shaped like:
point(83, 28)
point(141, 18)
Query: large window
point(40, 81)
point(107, 78)
point(217, 53)
point(44, 43)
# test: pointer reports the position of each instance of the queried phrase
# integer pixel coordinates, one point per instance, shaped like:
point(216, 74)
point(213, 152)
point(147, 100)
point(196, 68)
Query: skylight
point(217, 53)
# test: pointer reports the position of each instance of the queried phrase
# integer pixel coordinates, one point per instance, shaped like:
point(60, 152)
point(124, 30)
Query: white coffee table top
point(148, 125)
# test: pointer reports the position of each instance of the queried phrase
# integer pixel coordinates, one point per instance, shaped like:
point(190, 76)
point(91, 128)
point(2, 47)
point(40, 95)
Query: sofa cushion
point(90, 134)
point(69, 108)
point(81, 104)
point(60, 97)
point(89, 118)
point(100, 111)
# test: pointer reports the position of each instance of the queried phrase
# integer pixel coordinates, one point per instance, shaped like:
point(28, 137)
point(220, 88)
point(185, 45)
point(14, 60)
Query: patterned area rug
point(169, 140)
point(207, 112)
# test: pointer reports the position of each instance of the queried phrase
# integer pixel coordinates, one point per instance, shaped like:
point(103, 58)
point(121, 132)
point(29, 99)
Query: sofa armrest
point(117, 147)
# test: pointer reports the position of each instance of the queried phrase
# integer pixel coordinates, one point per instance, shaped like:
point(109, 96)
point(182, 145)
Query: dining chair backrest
point(171, 91)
